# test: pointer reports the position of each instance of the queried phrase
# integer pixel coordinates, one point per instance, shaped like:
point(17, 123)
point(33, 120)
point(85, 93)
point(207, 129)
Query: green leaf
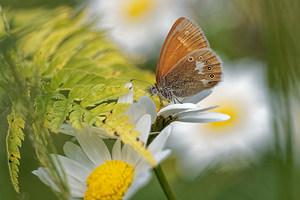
point(51, 43)
point(91, 119)
point(76, 117)
point(101, 94)
point(60, 111)
point(14, 139)
point(69, 78)
point(79, 92)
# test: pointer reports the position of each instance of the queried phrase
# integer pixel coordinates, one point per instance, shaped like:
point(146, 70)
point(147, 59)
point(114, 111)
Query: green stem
point(164, 183)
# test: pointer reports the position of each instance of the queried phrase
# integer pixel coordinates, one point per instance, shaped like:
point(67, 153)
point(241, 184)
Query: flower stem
point(164, 183)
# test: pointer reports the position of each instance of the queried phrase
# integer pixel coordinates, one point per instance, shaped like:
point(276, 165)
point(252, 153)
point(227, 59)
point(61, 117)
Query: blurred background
point(255, 154)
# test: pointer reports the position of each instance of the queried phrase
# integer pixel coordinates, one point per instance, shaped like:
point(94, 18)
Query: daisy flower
point(243, 96)
point(93, 172)
point(136, 24)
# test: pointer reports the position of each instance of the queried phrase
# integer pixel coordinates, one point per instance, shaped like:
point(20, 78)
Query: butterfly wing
point(184, 37)
point(197, 71)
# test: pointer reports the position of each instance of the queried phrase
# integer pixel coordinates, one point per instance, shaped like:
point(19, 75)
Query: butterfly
point(186, 65)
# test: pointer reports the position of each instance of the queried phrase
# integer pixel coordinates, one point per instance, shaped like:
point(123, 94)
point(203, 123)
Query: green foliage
point(55, 69)
point(59, 112)
point(14, 139)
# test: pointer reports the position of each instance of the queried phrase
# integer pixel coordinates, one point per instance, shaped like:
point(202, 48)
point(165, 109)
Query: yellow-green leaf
point(14, 139)
point(103, 94)
point(60, 111)
point(118, 124)
point(76, 117)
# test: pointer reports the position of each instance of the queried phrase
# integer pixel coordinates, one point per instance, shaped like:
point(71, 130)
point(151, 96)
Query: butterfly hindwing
point(197, 71)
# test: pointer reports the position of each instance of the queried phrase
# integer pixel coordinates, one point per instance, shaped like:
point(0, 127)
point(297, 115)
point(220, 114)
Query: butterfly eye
point(211, 76)
point(209, 68)
point(200, 57)
point(207, 61)
point(210, 82)
point(190, 58)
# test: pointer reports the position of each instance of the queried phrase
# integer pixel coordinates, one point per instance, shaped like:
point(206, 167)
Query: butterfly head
point(153, 90)
point(163, 93)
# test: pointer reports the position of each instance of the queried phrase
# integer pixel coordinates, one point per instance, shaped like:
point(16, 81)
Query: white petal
point(127, 153)
point(74, 152)
point(73, 168)
point(203, 109)
point(143, 126)
point(77, 187)
point(149, 106)
point(161, 156)
point(197, 110)
point(159, 142)
point(140, 180)
point(135, 112)
point(128, 96)
point(67, 129)
point(142, 164)
point(198, 97)
point(202, 117)
point(177, 108)
point(138, 158)
point(116, 151)
point(93, 146)
point(42, 173)
point(131, 156)
point(101, 132)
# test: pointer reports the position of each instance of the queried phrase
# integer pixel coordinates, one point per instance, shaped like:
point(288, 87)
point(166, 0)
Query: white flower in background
point(94, 173)
point(243, 96)
point(137, 25)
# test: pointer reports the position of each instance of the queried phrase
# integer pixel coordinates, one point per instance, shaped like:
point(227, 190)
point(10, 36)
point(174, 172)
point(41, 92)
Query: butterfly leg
point(177, 100)
point(172, 95)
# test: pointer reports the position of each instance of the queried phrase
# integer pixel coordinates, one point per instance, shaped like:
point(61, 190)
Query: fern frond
point(50, 44)
point(68, 78)
point(76, 117)
point(100, 94)
point(60, 111)
point(14, 139)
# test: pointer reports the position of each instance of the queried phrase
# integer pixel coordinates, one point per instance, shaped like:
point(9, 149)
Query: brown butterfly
point(186, 64)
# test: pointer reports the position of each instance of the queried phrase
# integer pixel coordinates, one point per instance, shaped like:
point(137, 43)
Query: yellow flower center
point(231, 109)
point(109, 181)
point(136, 9)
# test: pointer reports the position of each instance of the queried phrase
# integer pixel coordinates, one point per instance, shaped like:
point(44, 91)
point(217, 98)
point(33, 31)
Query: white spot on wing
point(199, 67)
point(205, 82)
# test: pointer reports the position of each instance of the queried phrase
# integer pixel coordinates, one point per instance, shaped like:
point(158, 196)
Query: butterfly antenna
point(142, 81)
